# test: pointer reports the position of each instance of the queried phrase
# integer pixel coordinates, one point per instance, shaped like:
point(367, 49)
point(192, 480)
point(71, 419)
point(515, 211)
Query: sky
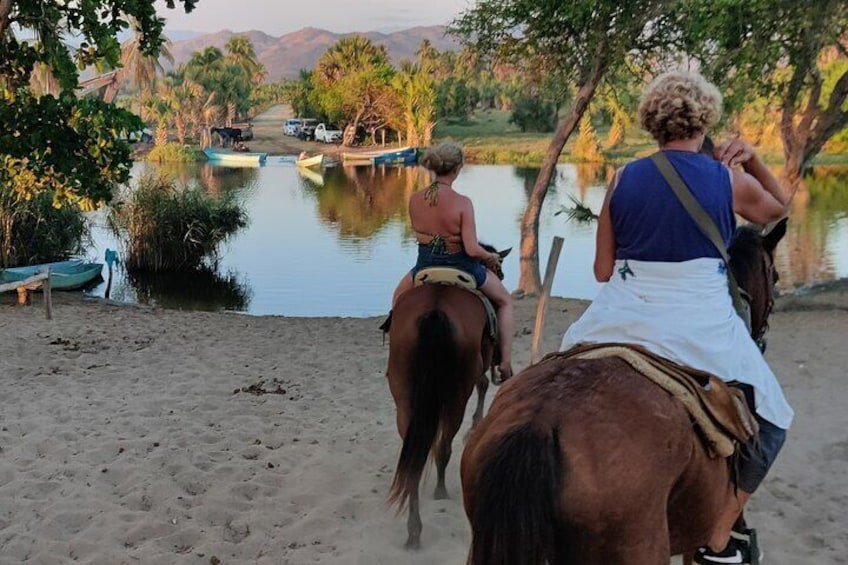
point(277, 17)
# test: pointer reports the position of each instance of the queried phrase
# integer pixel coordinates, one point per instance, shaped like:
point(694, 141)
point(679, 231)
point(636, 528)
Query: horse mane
point(745, 249)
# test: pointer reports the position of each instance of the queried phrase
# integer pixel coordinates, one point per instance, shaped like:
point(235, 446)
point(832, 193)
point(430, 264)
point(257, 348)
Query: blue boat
point(404, 157)
point(64, 275)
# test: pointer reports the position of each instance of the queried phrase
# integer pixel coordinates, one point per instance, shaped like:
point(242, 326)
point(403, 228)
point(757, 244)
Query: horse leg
point(449, 425)
point(688, 559)
point(413, 524)
point(482, 387)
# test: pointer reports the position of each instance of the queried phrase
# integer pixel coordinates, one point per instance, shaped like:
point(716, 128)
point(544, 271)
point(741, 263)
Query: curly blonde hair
point(443, 159)
point(679, 105)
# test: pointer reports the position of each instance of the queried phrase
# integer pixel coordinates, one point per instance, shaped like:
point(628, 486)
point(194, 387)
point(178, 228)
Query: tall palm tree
point(142, 69)
point(241, 53)
point(349, 53)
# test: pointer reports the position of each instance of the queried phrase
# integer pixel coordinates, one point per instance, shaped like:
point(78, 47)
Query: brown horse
point(586, 461)
point(440, 348)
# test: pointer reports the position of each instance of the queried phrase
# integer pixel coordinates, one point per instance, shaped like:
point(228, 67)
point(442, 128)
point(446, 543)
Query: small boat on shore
point(64, 275)
point(379, 157)
point(315, 162)
point(232, 158)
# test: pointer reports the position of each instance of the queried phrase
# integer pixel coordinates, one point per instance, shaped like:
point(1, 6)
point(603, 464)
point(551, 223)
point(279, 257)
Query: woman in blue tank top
point(666, 283)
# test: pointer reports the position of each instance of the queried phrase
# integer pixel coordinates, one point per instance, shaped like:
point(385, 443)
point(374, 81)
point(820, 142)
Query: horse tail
point(516, 501)
point(435, 377)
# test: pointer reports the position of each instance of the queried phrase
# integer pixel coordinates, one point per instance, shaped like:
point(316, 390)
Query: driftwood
point(26, 286)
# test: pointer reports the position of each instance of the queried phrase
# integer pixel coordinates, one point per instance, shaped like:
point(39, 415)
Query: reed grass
point(163, 227)
point(35, 231)
point(173, 153)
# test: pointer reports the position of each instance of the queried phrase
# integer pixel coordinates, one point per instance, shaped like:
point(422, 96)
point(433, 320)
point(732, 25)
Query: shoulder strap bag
point(707, 226)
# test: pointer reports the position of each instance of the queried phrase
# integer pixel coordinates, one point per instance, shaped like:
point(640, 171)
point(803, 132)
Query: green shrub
point(166, 228)
point(35, 231)
point(172, 153)
point(531, 113)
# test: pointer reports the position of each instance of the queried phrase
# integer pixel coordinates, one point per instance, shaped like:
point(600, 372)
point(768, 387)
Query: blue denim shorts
point(459, 260)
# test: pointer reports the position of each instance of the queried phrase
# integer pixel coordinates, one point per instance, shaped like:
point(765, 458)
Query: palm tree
point(140, 67)
point(241, 53)
point(348, 54)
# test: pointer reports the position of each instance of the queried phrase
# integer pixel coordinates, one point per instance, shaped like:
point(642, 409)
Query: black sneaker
point(742, 549)
point(732, 554)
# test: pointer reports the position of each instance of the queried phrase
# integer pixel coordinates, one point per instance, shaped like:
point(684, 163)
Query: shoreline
point(505, 148)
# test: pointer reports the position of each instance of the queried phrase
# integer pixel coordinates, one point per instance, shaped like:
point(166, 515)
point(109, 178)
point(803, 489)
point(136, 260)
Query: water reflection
point(358, 202)
point(202, 289)
point(816, 240)
point(336, 242)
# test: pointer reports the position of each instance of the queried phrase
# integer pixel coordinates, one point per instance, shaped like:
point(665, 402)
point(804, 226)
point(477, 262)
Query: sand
point(130, 435)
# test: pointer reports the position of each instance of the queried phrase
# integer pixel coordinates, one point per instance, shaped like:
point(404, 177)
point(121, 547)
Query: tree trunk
point(5, 12)
point(530, 281)
point(804, 137)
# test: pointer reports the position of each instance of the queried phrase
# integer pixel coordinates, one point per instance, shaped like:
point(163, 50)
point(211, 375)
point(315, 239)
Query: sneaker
point(732, 554)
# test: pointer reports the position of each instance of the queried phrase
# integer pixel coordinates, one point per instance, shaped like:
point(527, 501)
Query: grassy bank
point(489, 138)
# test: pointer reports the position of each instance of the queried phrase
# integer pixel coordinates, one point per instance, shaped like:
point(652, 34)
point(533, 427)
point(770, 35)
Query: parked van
point(292, 126)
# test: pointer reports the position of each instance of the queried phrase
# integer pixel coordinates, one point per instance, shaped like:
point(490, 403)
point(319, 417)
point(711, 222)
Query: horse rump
point(435, 376)
point(513, 501)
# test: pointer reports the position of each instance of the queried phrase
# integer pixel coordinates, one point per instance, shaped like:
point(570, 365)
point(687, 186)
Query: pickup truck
point(327, 134)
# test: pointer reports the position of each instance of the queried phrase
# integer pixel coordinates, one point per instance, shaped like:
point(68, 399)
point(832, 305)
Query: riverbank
point(142, 435)
point(487, 138)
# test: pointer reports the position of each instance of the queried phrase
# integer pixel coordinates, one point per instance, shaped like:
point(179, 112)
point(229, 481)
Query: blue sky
point(277, 17)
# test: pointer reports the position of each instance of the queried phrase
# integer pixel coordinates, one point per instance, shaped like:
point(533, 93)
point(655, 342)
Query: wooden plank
point(27, 283)
point(550, 270)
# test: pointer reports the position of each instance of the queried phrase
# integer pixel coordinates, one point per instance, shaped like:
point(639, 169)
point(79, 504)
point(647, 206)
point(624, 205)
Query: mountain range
point(285, 56)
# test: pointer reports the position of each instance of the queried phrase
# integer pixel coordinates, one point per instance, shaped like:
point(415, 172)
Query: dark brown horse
point(440, 348)
point(586, 461)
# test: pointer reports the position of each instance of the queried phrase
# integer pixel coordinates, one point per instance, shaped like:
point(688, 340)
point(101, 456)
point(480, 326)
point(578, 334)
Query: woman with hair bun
point(443, 221)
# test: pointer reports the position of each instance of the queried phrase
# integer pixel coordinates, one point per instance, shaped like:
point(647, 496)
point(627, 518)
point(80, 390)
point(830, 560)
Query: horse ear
point(773, 237)
point(505, 252)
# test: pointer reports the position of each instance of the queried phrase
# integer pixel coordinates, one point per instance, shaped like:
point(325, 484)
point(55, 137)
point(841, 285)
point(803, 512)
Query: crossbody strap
point(702, 219)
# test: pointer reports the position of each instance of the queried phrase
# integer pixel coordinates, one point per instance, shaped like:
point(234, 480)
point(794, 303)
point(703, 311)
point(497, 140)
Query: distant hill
point(284, 56)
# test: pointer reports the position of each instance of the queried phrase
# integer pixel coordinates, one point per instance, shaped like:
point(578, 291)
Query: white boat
point(235, 158)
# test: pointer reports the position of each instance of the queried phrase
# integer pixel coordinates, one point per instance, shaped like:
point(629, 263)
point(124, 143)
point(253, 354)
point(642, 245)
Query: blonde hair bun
point(443, 159)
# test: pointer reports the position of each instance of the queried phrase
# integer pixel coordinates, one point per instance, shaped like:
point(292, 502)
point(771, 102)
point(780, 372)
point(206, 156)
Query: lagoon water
point(335, 244)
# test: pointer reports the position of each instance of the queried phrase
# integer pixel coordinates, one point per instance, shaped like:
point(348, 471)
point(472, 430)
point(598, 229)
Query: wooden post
point(550, 270)
point(48, 296)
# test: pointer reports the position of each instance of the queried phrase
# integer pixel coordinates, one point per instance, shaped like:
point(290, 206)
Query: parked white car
point(327, 134)
point(292, 126)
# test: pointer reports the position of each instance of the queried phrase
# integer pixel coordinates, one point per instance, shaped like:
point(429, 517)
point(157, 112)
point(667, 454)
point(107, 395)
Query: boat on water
point(64, 275)
point(397, 159)
point(315, 162)
point(378, 157)
point(232, 158)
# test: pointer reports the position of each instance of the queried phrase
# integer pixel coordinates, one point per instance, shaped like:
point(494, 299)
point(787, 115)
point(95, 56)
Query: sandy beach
point(134, 435)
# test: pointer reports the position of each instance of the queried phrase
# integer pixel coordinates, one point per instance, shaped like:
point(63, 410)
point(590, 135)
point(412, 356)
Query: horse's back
point(627, 446)
point(464, 310)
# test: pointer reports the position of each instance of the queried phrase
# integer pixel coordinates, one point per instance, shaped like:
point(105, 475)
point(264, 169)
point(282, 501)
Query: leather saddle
point(718, 410)
point(456, 277)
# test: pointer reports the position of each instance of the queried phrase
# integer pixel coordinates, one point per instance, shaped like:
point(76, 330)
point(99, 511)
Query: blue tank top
point(651, 224)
